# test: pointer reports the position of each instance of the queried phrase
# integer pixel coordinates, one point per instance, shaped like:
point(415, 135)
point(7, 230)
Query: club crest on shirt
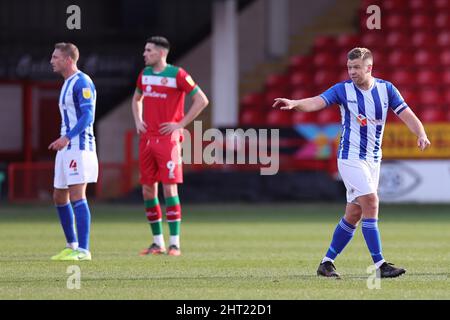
point(164, 81)
point(362, 120)
point(87, 93)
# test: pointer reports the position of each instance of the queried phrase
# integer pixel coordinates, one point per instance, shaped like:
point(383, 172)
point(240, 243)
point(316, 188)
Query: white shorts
point(75, 167)
point(360, 177)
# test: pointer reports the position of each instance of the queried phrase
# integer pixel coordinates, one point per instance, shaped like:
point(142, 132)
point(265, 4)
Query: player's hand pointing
point(284, 104)
point(59, 143)
point(169, 127)
point(423, 143)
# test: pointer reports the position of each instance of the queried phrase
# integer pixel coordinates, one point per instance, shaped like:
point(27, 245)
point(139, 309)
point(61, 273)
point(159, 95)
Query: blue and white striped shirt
point(77, 98)
point(364, 114)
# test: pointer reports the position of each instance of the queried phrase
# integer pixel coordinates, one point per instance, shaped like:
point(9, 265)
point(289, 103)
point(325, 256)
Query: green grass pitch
point(229, 252)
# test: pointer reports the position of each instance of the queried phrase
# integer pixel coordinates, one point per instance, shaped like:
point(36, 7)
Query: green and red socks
point(154, 217)
point(173, 215)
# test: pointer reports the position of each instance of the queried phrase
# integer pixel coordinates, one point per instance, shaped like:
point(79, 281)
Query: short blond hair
point(69, 50)
point(360, 53)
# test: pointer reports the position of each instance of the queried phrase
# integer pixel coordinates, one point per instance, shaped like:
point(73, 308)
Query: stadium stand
point(404, 53)
point(416, 29)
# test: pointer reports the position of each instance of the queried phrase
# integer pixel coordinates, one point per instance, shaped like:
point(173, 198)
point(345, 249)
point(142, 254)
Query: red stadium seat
point(442, 20)
point(426, 77)
point(325, 78)
point(444, 58)
point(443, 39)
point(379, 57)
point(446, 99)
point(420, 6)
point(442, 5)
point(397, 39)
point(421, 21)
point(324, 60)
point(300, 80)
point(445, 78)
point(317, 90)
point(432, 115)
point(424, 40)
point(348, 41)
point(366, 3)
point(394, 6)
point(430, 98)
point(402, 78)
point(342, 57)
point(447, 115)
point(324, 43)
point(301, 63)
point(328, 115)
point(372, 40)
point(277, 81)
point(252, 101)
point(425, 58)
point(343, 75)
point(410, 96)
point(252, 117)
point(396, 22)
point(279, 118)
point(304, 117)
point(381, 73)
point(399, 58)
point(301, 93)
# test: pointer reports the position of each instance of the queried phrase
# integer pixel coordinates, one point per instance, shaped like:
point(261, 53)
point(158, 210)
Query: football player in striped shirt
point(76, 162)
point(158, 110)
point(364, 102)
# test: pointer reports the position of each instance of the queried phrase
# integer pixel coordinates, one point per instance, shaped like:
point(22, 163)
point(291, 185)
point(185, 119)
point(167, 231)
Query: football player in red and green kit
point(158, 110)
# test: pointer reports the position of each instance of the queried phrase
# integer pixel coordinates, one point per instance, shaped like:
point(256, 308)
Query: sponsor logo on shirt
point(362, 120)
point(352, 101)
point(153, 94)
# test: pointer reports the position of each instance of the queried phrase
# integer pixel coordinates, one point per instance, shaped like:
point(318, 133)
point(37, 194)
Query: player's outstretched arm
point(136, 107)
point(305, 105)
point(199, 102)
point(416, 126)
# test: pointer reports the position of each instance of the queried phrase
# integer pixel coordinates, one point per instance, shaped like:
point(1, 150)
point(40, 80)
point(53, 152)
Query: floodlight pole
point(225, 67)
